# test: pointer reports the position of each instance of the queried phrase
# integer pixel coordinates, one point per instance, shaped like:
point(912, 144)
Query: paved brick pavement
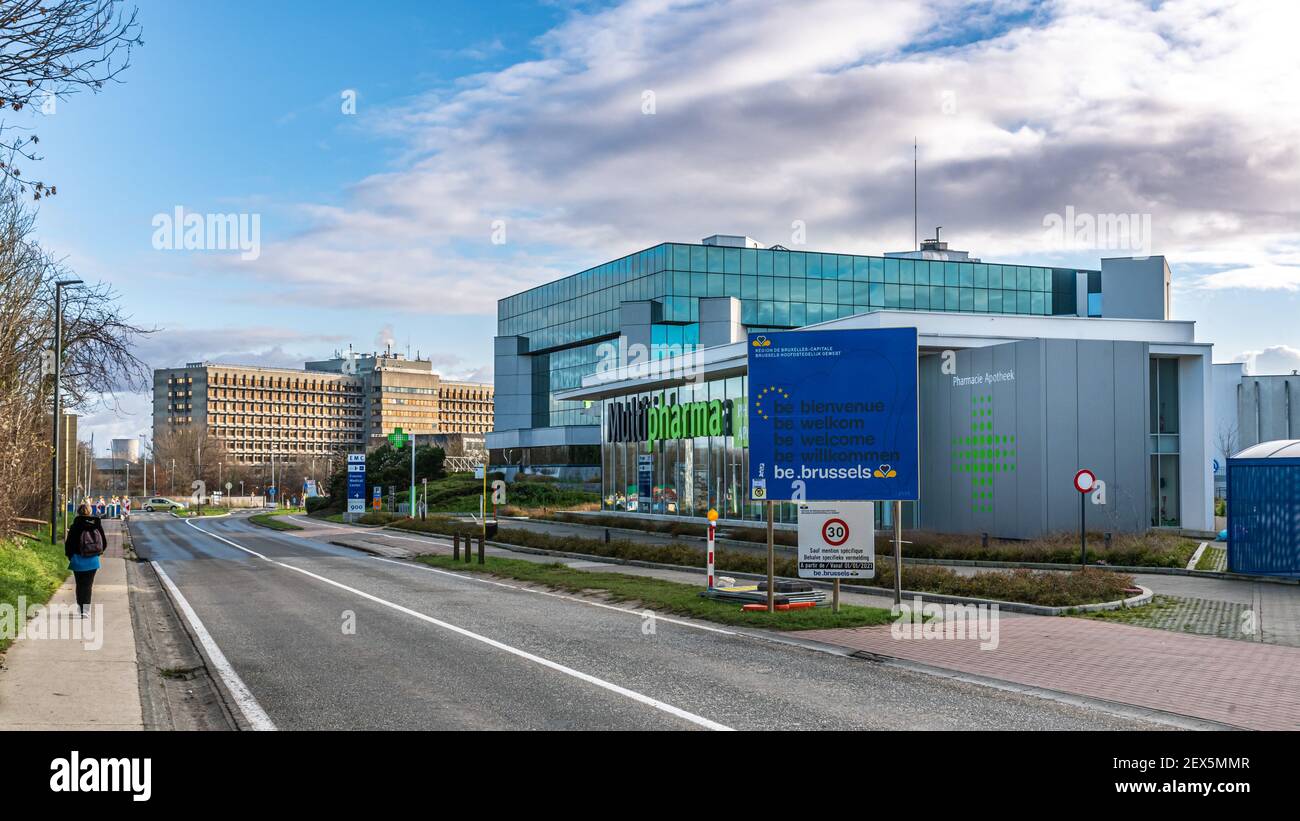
point(1244, 684)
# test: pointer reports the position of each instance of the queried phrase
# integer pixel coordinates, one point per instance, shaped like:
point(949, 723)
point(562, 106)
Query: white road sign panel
point(837, 540)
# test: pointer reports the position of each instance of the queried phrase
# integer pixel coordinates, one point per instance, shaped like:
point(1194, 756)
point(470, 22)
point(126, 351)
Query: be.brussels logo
point(885, 472)
point(762, 342)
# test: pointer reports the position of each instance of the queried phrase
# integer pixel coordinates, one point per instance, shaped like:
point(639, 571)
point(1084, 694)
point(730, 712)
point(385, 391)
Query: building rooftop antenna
point(916, 237)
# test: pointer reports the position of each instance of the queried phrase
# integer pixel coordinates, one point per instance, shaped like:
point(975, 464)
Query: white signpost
point(837, 540)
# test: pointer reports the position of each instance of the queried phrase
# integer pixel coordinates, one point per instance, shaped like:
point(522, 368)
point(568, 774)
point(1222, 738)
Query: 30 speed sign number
point(835, 532)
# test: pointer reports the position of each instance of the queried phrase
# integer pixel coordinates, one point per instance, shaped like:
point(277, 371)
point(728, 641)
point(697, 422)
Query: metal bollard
point(1108, 541)
point(986, 541)
point(455, 547)
point(606, 535)
point(480, 550)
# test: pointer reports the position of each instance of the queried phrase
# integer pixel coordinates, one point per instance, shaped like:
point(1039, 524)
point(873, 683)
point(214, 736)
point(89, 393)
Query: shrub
point(1050, 588)
point(322, 504)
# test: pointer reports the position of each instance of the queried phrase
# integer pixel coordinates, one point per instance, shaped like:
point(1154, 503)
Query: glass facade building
point(562, 323)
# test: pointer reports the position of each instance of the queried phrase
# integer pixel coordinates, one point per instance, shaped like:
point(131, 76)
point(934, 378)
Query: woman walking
point(85, 543)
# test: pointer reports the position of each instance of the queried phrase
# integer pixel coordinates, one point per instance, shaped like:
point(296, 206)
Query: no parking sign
point(837, 540)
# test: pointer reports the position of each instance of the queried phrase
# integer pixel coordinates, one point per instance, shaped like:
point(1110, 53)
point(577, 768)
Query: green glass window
point(730, 261)
point(845, 267)
point(797, 260)
point(907, 271)
point(877, 273)
point(814, 265)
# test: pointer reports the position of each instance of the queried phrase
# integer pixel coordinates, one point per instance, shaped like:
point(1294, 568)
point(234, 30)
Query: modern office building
point(345, 403)
point(1068, 368)
point(1250, 409)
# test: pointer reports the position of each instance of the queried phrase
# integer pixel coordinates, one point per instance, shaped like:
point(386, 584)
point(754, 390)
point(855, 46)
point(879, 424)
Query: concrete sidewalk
point(59, 684)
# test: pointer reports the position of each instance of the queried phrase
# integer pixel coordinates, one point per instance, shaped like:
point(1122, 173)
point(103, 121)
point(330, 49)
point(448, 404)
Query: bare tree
point(98, 346)
point(51, 49)
point(1227, 440)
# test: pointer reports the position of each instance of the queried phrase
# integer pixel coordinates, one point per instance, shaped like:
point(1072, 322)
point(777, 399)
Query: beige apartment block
point(336, 405)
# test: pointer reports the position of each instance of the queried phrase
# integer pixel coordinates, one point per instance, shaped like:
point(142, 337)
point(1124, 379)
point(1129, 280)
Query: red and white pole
point(713, 527)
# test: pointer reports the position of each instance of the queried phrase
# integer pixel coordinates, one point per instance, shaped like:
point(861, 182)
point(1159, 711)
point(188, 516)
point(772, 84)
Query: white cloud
point(1256, 278)
point(767, 113)
point(1276, 359)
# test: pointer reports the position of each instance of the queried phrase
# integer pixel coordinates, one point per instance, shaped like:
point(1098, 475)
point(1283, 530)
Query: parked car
point(159, 503)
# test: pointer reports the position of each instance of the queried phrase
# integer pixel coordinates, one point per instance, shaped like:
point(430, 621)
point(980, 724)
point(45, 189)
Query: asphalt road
point(439, 650)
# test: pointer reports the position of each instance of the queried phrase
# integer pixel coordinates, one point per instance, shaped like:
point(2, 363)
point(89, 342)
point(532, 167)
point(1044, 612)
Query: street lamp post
point(58, 367)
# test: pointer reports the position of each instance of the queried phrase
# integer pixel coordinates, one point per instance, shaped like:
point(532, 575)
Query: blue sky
point(377, 225)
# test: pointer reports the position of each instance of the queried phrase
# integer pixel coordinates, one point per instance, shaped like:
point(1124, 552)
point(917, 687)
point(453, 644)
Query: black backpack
point(90, 544)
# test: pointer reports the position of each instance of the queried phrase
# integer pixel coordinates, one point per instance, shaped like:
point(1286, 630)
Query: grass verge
point(32, 569)
point(664, 597)
point(274, 521)
point(1214, 558)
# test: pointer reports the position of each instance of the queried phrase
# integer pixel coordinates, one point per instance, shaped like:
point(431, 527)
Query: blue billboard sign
point(833, 415)
point(356, 483)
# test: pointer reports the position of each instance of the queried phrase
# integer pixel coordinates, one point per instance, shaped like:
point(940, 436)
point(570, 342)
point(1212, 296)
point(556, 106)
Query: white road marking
point(545, 662)
point(244, 700)
point(629, 611)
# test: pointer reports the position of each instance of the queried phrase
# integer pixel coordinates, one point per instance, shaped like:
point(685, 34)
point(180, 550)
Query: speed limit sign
point(835, 532)
point(837, 540)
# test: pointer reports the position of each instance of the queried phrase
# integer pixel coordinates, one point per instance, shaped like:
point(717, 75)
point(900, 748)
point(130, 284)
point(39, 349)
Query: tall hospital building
point(343, 404)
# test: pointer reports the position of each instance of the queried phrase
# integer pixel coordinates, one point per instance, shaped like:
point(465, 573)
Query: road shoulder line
point(243, 698)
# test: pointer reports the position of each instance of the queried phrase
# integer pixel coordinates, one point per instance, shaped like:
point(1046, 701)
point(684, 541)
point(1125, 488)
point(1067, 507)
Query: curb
point(1013, 607)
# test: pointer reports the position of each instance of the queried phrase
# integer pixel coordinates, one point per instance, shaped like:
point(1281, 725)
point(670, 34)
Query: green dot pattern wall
point(984, 453)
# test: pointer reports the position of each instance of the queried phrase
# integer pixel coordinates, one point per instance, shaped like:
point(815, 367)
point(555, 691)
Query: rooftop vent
point(732, 241)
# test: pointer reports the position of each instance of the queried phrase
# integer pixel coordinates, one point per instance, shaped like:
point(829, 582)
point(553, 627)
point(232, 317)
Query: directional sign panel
point(837, 540)
point(833, 415)
point(356, 483)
